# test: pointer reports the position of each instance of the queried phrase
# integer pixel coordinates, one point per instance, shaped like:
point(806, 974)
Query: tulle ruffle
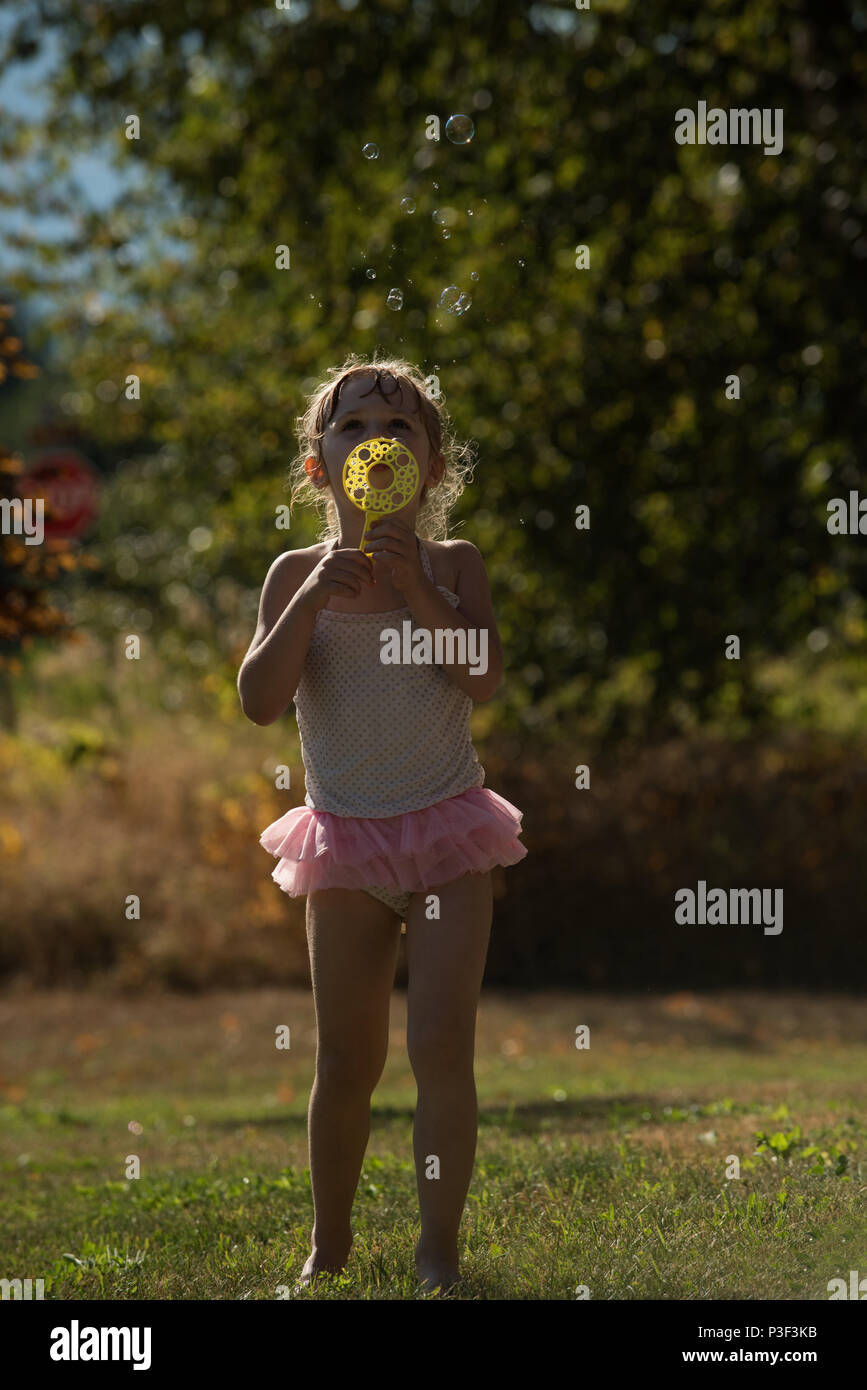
point(465, 834)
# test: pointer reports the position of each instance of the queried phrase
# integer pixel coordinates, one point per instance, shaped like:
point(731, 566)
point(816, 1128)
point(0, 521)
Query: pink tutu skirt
point(465, 834)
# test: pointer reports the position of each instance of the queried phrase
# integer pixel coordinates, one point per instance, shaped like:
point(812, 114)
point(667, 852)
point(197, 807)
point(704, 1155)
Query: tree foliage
point(26, 571)
point(602, 386)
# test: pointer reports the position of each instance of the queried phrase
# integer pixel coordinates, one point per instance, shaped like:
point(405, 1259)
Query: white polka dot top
point(376, 739)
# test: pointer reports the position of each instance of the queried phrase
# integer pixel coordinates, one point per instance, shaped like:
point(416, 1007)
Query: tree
point(603, 387)
point(26, 612)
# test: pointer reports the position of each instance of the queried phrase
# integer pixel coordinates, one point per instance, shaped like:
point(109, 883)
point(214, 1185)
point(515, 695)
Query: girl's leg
point(446, 962)
point(353, 942)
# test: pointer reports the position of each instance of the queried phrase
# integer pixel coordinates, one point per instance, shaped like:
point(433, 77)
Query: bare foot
point(317, 1268)
point(436, 1274)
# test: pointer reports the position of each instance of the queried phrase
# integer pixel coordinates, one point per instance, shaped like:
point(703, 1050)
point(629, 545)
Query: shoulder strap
point(425, 560)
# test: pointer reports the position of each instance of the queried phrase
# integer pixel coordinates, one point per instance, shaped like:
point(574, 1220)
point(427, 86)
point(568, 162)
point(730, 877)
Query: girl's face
point(364, 414)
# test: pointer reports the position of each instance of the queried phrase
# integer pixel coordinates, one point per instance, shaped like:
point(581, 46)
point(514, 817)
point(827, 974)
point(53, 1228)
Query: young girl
point(396, 825)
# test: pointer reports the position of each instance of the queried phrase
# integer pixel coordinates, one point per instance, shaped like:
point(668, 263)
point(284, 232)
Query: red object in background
point(70, 486)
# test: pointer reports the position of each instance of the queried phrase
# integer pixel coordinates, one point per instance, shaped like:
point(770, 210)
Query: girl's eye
point(349, 424)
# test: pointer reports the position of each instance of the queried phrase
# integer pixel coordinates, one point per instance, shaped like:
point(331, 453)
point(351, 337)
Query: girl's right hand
point(339, 574)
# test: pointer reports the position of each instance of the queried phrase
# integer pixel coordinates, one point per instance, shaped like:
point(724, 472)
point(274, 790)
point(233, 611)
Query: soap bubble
point(446, 235)
point(394, 299)
point(407, 204)
point(522, 263)
point(474, 275)
point(460, 130)
point(454, 301)
point(445, 217)
point(371, 274)
point(370, 151)
point(134, 1127)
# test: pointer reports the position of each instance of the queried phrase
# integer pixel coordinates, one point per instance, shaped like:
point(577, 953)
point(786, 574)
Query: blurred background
point(604, 386)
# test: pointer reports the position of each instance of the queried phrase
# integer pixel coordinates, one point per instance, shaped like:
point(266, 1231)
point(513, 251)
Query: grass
point(604, 1168)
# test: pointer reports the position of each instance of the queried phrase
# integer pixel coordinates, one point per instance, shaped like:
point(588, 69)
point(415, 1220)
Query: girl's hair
point(436, 504)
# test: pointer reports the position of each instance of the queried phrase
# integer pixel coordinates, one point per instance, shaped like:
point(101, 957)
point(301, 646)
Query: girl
point(396, 825)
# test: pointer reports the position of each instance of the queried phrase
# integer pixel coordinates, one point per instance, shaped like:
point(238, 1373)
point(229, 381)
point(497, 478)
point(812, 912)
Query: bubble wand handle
point(370, 519)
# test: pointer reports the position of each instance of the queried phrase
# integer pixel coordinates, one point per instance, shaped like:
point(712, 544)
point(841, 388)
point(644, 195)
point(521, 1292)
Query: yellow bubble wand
point(377, 502)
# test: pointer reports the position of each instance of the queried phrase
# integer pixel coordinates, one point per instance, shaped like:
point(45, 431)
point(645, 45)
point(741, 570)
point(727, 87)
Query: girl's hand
point(340, 573)
point(393, 547)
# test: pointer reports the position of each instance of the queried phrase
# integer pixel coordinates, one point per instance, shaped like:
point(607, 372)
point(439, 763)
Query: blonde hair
point(432, 521)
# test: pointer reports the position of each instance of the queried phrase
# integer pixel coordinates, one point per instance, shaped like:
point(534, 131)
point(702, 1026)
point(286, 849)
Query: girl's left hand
point(392, 545)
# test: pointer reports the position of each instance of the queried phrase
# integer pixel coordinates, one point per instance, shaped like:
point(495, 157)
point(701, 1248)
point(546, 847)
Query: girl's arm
point(292, 595)
point(270, 671)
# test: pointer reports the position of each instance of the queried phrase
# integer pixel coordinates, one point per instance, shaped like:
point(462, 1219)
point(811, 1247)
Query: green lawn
point(603, 1167)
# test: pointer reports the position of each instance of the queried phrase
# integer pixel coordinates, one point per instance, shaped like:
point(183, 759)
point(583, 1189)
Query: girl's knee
point(440, 1055)
point(348, 1070)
